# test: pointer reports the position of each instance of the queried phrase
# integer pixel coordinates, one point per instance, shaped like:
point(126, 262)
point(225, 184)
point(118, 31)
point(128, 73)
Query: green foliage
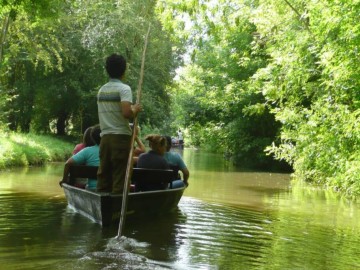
point(125, 26)
point(312, 83)
point(29, 40)
point(281, 74)
point(210, 136)
point(213, 98)
point(52, 63)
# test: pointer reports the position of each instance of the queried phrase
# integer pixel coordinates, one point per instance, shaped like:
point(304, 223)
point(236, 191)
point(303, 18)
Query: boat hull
point(105, 208)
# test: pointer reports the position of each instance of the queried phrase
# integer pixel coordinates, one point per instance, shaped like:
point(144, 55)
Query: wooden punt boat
point(105, 208)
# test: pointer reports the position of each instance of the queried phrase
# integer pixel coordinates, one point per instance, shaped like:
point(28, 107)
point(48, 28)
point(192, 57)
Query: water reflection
point(227, 237)
point(29, 230)
point(204, 161)
point(226, 220)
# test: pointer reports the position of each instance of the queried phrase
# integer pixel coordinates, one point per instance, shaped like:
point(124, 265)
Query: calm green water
point(227, 219)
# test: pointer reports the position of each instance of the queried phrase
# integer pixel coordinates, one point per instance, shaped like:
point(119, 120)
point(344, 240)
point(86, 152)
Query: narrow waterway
point(227, 219)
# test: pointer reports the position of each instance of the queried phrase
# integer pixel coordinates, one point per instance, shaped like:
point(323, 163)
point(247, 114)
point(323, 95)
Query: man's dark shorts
point(114, 154)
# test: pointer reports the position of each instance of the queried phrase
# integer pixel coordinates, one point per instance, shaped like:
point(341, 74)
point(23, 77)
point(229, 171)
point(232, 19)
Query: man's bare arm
point(128, 110)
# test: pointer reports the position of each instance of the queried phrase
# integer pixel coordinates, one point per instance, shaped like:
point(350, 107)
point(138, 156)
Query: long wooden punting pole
point(130, 160)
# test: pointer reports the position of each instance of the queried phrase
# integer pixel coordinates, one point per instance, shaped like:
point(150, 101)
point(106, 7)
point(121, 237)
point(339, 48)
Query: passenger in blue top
point(154, 159)
point(89, 156)
point(175, 161)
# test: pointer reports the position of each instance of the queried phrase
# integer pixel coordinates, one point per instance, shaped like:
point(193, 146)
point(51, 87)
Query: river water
point(227, 219)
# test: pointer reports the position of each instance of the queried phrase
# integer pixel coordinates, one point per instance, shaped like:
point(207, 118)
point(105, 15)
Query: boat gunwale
point(131, 194)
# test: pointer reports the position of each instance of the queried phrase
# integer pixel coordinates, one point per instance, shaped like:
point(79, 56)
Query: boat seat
point(82, 171)
point(151, 179)
point(176, 170)
point(144, 179)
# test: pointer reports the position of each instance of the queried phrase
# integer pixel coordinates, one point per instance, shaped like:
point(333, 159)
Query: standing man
point(180, 138)
point(115, 108)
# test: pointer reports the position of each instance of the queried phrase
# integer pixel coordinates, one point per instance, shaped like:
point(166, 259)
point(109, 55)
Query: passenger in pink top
point(87, 141)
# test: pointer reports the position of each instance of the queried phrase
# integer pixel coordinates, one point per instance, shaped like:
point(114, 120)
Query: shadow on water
point(153, 240)
point(146, 243)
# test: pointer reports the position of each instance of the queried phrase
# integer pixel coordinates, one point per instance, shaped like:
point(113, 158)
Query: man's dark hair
point(115, 66)
point(95, 134)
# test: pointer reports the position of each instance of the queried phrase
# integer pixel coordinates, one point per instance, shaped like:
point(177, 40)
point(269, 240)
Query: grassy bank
point(30, 149)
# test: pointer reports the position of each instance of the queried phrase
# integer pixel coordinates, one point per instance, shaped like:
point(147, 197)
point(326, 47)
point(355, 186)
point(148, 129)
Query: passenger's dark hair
point(87, 139)
point(95, 134)
point(168, 142)
point(115, 66)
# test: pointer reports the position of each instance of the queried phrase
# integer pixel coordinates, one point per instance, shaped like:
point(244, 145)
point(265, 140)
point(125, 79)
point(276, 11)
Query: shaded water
point(226, 220)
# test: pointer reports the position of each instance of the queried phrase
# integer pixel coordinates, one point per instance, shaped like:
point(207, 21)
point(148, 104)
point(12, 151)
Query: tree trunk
point(61, 124)
point(3, 34)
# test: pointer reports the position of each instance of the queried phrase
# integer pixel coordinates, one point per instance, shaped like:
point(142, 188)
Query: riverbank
point(18, 149)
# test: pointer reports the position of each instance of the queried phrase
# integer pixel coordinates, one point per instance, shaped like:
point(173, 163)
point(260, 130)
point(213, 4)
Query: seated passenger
point(89, 156)
point(154, 159)
point(176, 163)
point(87, 141)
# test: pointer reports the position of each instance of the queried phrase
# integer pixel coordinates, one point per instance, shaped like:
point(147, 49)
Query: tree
point(312, 83)
point(215, 91)
point(23, 48)
point(53, 70)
